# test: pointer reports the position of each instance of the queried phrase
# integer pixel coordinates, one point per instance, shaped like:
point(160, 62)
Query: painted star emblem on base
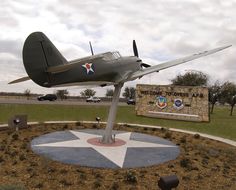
point(115, 154)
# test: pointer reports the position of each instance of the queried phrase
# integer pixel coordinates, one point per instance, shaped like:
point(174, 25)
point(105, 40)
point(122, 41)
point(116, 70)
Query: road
point(57, 102)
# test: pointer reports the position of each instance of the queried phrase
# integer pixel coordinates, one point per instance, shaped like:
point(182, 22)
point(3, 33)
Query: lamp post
point(233, 102)
point(98, 119)
point(16, 121)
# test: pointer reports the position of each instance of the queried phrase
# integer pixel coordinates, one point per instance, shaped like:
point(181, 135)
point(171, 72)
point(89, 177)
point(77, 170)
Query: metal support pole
point(107, 137)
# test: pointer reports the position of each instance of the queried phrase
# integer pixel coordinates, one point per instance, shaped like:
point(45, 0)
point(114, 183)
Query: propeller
point(91, 48)
point(135, 49)
point(145, 65)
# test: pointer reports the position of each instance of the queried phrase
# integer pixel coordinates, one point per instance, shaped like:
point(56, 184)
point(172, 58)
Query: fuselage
point(107, 68)
point(47, 67)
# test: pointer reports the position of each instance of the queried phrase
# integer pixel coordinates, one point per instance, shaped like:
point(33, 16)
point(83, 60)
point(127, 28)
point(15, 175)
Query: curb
point(227, 141)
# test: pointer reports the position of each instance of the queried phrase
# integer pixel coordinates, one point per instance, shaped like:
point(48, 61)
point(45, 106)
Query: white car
point(93, 99)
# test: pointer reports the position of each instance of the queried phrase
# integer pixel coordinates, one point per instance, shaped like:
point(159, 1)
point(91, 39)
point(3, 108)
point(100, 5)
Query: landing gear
point(107, 137)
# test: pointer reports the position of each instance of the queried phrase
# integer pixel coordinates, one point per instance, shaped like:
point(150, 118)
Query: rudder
point(39, 54)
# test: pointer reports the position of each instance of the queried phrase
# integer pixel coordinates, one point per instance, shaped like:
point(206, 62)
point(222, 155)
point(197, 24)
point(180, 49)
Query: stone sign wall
point(172, 102)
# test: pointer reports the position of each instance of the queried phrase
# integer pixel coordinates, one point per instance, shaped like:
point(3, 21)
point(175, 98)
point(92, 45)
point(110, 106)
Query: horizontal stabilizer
point(168, 64)
point(88, 84)
point(60, 68)
point(19, 80)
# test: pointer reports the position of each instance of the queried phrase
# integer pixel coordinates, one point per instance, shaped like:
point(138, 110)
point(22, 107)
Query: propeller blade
point(145, 65)
point(91, 48)
point(135, 48)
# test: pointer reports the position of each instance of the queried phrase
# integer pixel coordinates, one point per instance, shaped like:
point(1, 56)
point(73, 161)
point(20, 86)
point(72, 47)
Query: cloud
point(164, 30)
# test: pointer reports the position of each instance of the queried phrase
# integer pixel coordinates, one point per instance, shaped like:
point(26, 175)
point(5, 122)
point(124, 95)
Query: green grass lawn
point(221, 123)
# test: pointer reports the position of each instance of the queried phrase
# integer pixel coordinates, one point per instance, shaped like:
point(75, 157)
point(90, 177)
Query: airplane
point(47, 67)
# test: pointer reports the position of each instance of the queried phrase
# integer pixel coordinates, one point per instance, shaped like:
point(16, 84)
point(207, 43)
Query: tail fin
point(39, 54)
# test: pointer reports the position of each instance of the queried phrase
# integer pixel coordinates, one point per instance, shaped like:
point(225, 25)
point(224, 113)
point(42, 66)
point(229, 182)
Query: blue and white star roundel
point(84, 148)
point(88, 67)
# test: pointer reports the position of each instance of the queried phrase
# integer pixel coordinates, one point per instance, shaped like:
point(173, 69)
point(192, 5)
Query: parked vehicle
point(93, 99)
point(50, 97)
point(131, 102)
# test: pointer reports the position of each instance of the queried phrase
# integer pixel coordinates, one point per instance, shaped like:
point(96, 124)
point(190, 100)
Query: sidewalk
point(227, 141)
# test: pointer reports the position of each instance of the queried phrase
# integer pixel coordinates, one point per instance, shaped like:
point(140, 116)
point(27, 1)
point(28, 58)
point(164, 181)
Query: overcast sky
point(163, 29)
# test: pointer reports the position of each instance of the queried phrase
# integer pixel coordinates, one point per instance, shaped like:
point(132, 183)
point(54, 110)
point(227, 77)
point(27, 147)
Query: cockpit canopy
point(111, 55)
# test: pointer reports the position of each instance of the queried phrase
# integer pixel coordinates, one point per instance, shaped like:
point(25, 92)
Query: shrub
point(65, 126)
point(15, 136)
point(167, 135)
point(205, 162)
point(196, 136)
point(13, 153)
point(115, 186)
point(51, 170)
point(22, 157)
point(78, 123)
point(1, 159)
point(185, 163)
point(186, 178)
point(63, 171)
point(130, 177)
point(83, 176)
point(29, 169)
point(12, 187)
point(97, 184)
point(39, 185)
point(97, 175)
point(24, 145)
point(2, 147)
point(65, 182)
point(163, 129)
point(183, 139)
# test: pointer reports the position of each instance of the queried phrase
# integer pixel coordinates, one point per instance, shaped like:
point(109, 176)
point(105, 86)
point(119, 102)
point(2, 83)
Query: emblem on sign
point(161, 102)
point(178, 104)
point(88, 67)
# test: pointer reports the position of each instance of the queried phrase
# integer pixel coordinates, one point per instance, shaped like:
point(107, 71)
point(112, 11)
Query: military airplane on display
point(47, 67)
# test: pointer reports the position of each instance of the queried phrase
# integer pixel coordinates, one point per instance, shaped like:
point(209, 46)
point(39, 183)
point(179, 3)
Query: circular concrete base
point(83, 147)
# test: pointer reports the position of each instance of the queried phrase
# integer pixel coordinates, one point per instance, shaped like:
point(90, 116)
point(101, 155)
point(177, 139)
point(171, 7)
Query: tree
point(109, 93)
point(62, 94)
point(88, 93)
point(129, 93)
point(191, 78)
point(227, 94)
point(27, 93)
point(214, 93)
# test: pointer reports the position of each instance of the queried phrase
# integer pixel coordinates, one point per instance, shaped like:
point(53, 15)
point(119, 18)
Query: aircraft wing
point(87, 83)
point(168, 64)
point(19, 80)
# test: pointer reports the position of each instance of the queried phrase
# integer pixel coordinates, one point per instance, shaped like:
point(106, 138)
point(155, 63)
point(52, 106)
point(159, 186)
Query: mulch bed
point(202, 163)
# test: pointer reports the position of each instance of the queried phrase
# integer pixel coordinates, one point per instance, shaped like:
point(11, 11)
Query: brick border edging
point(227, 141)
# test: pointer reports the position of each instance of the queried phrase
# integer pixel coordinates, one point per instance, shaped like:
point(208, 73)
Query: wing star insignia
point(88, 67)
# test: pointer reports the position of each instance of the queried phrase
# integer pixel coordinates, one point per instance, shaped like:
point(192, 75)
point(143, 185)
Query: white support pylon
point(107, 137)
